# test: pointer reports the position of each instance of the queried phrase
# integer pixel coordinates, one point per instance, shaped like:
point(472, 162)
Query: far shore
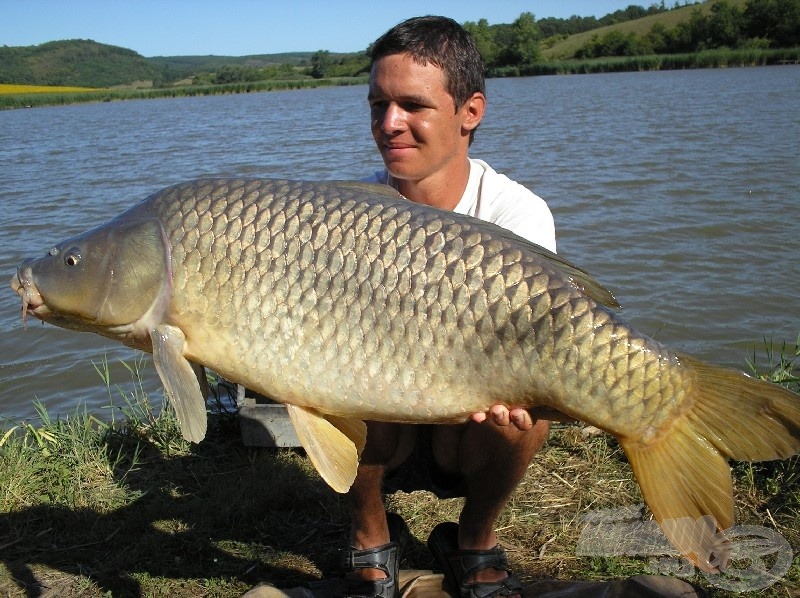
point(698, 60)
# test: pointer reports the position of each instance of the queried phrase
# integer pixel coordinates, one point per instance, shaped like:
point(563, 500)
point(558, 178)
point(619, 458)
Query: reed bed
point(657, 62)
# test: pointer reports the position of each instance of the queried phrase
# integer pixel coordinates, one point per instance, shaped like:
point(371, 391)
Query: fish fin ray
point(202, 378)
point(180, 381)
point(331, 449)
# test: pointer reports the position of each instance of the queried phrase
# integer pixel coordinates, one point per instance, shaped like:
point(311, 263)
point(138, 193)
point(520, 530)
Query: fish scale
point(347, 302)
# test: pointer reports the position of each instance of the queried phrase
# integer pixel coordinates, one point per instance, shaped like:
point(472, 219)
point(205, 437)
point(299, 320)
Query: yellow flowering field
point(9, 89)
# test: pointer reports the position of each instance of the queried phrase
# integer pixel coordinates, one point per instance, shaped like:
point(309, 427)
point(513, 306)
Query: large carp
point(349, 303)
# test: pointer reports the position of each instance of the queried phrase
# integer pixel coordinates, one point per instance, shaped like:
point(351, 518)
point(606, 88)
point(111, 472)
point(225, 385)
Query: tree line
point(500, 45)
point(506, 47)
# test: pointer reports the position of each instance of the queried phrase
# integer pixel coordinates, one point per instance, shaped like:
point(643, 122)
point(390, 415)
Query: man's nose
point(393, 118)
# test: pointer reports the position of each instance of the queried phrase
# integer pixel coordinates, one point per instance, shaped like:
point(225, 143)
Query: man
point(427, 98)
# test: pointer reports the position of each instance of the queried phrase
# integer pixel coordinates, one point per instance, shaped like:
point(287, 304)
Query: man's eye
point(412, 107)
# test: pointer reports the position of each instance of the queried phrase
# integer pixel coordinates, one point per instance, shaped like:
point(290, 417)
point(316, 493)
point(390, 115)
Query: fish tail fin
point(684, 473)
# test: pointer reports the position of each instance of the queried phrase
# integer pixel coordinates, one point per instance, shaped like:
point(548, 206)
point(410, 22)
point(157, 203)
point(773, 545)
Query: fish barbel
point(348, 303)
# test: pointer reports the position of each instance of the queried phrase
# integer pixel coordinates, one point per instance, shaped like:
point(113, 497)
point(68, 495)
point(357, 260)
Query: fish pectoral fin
point(334, 445)
point(202, 379)
point(354, 429)
point(180, 381)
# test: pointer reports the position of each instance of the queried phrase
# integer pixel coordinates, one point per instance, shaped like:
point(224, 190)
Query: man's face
point(414, 120)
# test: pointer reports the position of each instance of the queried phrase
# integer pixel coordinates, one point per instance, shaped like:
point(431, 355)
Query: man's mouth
point(397, 148)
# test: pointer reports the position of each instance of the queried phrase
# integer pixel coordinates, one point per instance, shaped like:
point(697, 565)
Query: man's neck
point(442, 190)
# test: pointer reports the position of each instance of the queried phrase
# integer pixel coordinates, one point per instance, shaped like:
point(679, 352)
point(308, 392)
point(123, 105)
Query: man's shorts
point(421, 472)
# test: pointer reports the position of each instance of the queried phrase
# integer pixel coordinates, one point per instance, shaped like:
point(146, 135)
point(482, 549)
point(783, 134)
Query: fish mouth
point(32, 300)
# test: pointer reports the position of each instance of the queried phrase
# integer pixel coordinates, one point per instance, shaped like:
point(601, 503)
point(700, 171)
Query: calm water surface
point(680, 191)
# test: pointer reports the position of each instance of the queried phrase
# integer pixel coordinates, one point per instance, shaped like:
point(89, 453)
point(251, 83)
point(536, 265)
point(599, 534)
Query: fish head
point(113, 280)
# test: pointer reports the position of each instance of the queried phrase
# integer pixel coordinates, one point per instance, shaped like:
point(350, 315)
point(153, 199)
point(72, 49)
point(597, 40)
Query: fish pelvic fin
point(180, 380)
point(333, 444)
point(684, 473)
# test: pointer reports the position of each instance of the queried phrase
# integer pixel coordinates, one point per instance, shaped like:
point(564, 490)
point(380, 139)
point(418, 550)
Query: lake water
point(680, 191)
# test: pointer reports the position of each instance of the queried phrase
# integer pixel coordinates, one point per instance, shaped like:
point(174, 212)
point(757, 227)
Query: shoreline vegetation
point(126, 507)
point(24, 96)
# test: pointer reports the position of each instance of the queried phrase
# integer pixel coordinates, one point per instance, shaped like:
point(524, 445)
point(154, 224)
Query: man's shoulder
point(495, 185)
point(498, 192)
point(505, 202)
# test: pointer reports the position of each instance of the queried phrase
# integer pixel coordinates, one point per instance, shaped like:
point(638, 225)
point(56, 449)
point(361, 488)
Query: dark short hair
point(442, 42)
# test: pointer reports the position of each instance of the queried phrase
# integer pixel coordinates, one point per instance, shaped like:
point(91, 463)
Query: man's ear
point(473, 110)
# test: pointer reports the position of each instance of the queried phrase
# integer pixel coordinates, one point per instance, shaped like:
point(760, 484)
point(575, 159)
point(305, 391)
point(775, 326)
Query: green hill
point(81, 63)
point(565, 48)
point(86, 63)
point(195, 64)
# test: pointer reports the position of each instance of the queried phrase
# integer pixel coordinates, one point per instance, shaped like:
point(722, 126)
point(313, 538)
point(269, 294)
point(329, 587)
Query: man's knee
point(475, 446)
point(388, 444)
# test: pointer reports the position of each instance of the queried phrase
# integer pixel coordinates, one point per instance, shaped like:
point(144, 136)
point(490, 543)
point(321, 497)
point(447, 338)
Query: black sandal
point(458, 565)
point(386, 558)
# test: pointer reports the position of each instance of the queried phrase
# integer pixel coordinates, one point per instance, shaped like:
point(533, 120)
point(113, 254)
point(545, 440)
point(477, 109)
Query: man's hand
point(502, 416)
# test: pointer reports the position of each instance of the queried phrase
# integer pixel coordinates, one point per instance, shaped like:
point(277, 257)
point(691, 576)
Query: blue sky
point(242, 27)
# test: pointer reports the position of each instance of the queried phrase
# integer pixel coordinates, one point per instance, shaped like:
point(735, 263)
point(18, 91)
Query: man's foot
point(369, 573)
point(464, 569)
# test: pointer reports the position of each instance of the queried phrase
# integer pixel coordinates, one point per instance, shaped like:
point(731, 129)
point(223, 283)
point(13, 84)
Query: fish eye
point(72, 257)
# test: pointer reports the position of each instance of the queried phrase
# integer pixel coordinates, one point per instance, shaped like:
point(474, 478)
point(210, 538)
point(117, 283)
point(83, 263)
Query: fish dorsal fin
point(180, 381)
point(334, 446)
point(371, 188)
point(579, 277)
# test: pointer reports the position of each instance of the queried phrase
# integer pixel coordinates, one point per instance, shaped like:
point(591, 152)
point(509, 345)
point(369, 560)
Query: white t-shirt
point(494, 197)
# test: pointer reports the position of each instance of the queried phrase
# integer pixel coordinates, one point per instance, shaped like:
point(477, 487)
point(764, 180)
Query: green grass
point(126, 507)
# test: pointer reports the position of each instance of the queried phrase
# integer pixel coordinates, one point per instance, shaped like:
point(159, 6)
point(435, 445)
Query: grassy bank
point(127, 508)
